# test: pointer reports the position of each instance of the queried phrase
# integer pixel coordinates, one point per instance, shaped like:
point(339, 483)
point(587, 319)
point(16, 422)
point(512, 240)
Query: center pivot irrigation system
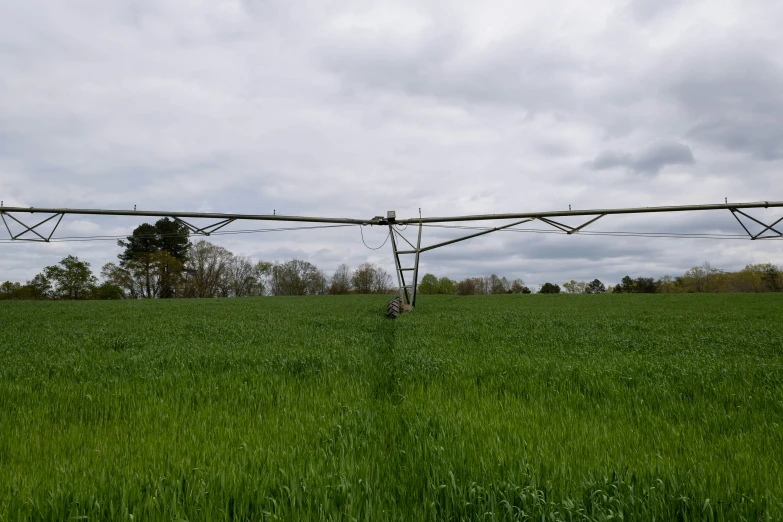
point(402, 248)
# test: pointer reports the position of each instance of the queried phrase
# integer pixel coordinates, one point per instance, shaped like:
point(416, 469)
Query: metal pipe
point(416, 268)
point(206, 215)
point(400, 277)
point(638, 210)
point(382, 221)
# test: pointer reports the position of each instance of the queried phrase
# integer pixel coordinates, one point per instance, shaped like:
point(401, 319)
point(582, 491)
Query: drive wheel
point(393, 308)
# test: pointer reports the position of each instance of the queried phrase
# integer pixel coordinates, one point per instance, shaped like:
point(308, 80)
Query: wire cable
point(673, 235)
point(369, 247)
point(74, 239)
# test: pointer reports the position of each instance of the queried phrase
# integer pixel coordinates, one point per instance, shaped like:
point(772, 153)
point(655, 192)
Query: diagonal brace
point(771, 227)
point(32, 228)
point(463, 238)
point(207, 230)
point(569, 229)
point(403, 238)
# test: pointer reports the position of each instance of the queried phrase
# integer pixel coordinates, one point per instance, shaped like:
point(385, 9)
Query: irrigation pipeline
point(225, 219)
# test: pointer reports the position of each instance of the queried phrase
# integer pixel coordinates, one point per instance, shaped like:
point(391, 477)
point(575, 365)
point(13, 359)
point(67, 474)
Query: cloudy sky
point(352, 108)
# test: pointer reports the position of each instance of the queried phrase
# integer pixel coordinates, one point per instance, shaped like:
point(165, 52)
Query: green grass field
point(641, 407)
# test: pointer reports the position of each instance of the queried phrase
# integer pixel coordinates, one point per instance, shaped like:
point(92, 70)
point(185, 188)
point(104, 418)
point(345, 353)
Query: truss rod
point(404, 238)
point(32, 228)
point(207, 230)
point(463, 238)
point(583, 225)
point(768, 227)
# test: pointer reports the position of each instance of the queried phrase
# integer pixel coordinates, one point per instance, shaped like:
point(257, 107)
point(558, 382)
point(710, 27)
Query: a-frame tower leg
point(408, 286)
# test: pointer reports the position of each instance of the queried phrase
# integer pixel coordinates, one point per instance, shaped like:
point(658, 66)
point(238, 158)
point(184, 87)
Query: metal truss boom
point(594, 212)
point(379, 220)
point(184, 215)
point(407, 285)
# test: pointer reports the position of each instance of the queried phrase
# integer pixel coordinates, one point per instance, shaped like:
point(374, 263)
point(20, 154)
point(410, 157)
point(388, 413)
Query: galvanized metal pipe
point(594, 212)
point(383, 221)
point(205, 215)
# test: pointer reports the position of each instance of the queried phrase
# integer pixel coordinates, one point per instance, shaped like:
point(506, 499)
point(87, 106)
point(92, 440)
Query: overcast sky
point(350, 109)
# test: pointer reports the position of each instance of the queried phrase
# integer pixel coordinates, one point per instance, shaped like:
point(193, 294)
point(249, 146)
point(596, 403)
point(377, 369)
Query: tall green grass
point(660, 407)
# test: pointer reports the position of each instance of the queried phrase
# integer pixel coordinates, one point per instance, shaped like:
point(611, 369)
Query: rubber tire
point(393, 308)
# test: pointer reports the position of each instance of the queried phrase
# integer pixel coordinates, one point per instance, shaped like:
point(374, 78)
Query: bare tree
point(341, 280)
point(383, 281)
point(371, 279)
point(575, 287)
point(240, 278)
point(496, 285)
point(471, 286)
point(205, 269)
point(518, 287)
point(363, 278)
point(263, 272)
point(297, 277)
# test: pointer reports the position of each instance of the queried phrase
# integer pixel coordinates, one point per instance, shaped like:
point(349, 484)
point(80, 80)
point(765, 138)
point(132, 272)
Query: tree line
point(761, 277)
point(492, 285)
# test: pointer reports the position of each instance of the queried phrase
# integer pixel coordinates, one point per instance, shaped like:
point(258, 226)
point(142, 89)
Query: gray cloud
point(734, 98)
point(646, 11)
point(649, 160)
point(349, 108)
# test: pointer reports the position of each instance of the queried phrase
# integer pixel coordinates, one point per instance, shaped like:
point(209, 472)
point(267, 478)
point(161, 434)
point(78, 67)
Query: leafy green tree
point(428, 285)
point(446, 286)
point(626, 285)
point(159, 273)
point(518, 287)
point(145, 274)
point(72, 278)
point(172, 236)
point(549, 288)
point(107, 291)
point(122, 278)
point(40, 287)
point(772, 278)
point(9, 290)
point(263, 272)
point(701, 278)
point(645, 285)
point(595, 287)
